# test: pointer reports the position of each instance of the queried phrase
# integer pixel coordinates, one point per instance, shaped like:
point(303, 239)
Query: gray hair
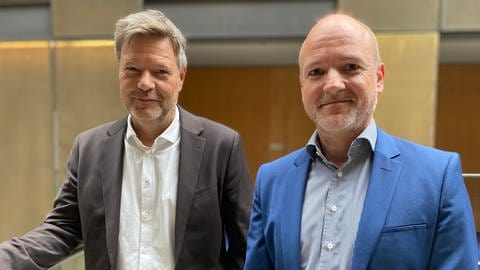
point(150, 22)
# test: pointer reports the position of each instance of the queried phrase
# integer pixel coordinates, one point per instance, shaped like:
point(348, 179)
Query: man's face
point(150, 79)
point(339, 76)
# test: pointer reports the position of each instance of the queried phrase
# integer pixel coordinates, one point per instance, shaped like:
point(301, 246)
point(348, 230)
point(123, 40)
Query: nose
point(146, 81)
point(334, 81)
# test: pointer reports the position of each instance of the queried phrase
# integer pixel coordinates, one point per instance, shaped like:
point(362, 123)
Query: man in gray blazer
point(158, 189)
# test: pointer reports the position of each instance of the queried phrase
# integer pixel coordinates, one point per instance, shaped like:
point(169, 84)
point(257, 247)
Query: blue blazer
point(416, 213)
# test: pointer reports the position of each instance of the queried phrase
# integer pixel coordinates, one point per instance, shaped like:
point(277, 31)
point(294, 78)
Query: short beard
point(161, 115)
point(355, 120)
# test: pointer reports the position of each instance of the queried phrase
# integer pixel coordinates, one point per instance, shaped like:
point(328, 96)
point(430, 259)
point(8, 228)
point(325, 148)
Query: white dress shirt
point(149, 193)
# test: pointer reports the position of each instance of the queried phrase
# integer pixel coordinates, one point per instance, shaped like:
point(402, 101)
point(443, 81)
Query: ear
point(380, 77)
point(183, 74)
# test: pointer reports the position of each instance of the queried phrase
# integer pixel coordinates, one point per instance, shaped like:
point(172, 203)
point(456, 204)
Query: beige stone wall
point(407, 105)
point(86, 90)
point(26, 137)
point(51, 92)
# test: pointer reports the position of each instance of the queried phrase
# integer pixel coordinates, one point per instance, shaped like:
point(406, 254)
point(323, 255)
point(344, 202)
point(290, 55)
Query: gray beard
point(353, 121)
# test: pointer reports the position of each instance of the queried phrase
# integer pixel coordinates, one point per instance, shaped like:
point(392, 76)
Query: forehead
point(336, 45)
point(338, 38)
point(148, 45)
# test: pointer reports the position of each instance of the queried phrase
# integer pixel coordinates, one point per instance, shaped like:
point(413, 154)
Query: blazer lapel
point(291, 205)
point(111, 178)
point(191, 152)
point(381, 189)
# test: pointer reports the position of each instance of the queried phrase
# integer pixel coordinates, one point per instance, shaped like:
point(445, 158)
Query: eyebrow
point(129, 63)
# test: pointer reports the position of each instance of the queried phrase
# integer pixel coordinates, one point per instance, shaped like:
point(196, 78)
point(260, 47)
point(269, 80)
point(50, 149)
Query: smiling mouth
point(144, 99)
point(333, 102)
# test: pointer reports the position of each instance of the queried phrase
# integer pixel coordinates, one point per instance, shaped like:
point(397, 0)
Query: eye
point(315, 72)
point(131, 70)
point(161, 72)
point(352, 67)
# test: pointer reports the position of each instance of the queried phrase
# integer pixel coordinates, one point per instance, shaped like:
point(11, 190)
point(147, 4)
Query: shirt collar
point(369, 134)
point(168, 137)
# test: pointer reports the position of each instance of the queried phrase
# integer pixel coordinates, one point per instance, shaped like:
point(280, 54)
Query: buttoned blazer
point(213, 200)
point(416, 213)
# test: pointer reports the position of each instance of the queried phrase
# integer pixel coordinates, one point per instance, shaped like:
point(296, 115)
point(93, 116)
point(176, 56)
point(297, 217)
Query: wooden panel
point(235, 97)
point(457, 126)
point(26, 159)
point(262, 103)
point(473, 187)
point(457, 115)
point(394, 15)
point(406, 107)
point(76, 18)
point(87, 89)
point(288, 114)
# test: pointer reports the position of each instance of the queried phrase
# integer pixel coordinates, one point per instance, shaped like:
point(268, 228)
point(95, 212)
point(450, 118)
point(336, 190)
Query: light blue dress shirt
point(333, 203)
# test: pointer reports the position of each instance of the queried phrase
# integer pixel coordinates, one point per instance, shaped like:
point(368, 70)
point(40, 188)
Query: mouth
point(334, 102)
point(146, 99)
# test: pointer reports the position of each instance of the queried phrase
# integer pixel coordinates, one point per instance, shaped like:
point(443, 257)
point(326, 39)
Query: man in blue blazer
point(355, 197)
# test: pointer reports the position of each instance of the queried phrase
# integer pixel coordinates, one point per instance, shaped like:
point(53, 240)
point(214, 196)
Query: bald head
point(341, 26)
point(340, 75)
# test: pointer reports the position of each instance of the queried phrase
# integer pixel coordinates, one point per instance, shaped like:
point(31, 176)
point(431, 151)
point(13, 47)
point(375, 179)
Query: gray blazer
point(213, 202)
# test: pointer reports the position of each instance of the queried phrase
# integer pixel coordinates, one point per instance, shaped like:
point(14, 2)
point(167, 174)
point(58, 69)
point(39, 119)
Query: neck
point(148, 130)
point(335, 146)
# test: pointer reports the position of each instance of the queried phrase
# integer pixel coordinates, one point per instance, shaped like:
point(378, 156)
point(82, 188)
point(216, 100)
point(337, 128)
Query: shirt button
point(330, 245)
point(146, 215)
point(333, 208)
point(146, 184)
point(339, 175)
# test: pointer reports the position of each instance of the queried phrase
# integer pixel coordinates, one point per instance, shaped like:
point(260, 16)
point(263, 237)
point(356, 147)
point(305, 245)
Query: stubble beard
point(354, 120)
point(160, 113)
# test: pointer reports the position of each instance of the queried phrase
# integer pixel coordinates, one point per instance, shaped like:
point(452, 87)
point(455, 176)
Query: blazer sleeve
point(236, 203)
point(455, 245)
point(56, 238)
point(257, 251)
